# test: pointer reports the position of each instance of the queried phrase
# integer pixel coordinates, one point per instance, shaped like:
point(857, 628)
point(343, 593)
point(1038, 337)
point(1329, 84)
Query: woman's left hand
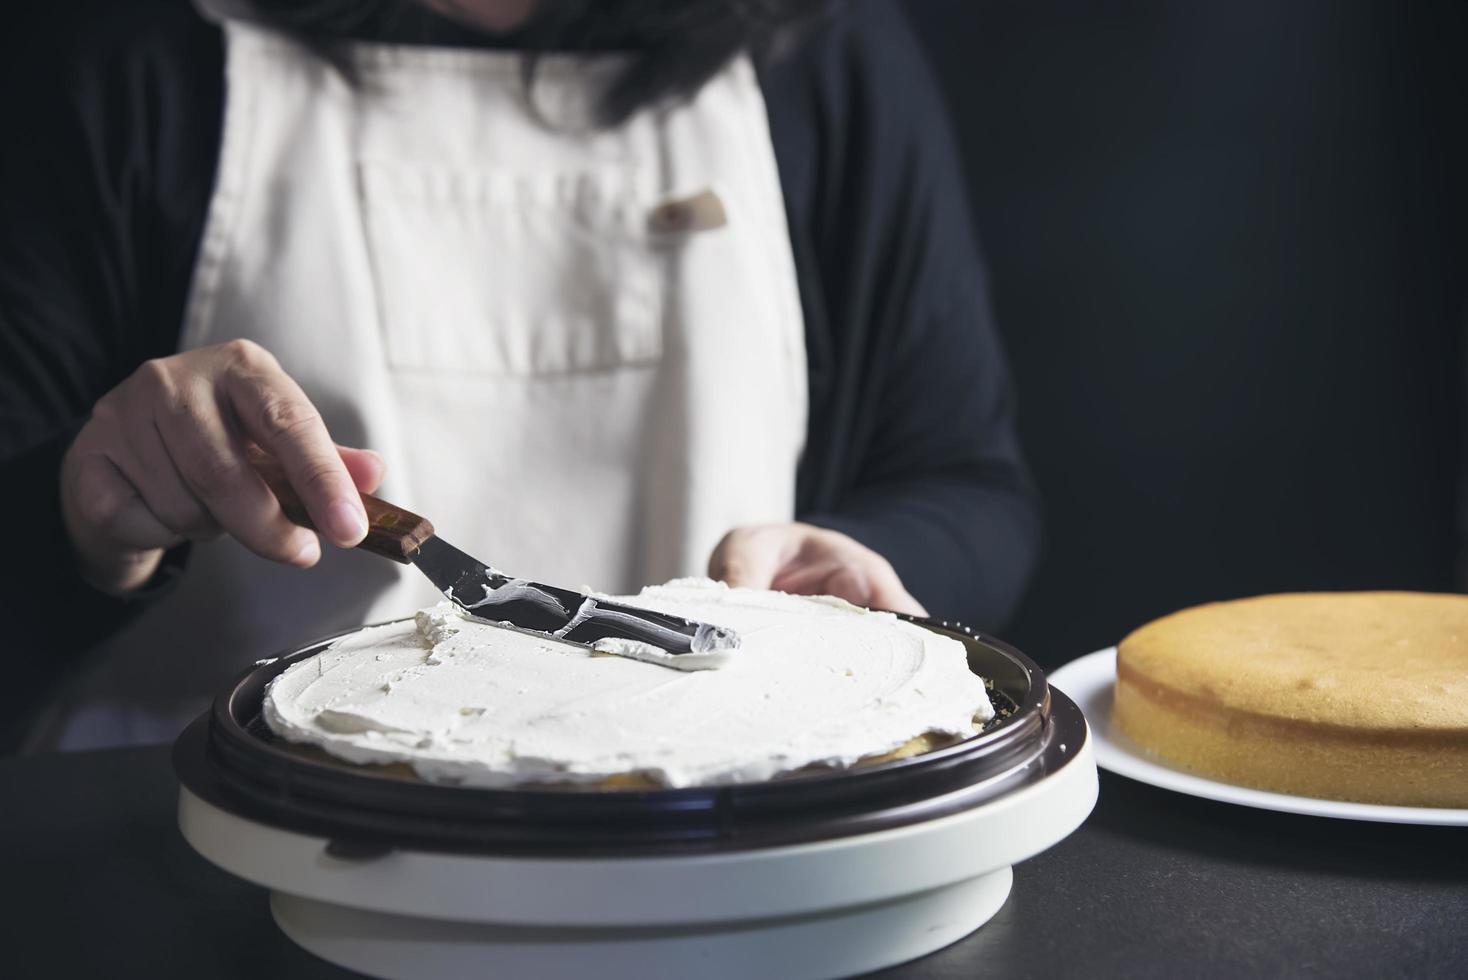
point(809, 560)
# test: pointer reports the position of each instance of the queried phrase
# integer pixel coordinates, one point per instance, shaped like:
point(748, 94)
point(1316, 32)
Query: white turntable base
point(837, 944)
point(824, 909)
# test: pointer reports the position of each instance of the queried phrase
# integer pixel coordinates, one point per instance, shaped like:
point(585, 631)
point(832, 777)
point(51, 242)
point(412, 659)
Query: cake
point(815, 683)
point(1346, 696)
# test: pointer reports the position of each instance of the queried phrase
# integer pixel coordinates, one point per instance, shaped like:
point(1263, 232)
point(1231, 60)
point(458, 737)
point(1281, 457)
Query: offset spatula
point(488, 594)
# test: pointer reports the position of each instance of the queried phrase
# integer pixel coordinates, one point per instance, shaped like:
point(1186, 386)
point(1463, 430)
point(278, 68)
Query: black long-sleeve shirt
point(112, 115)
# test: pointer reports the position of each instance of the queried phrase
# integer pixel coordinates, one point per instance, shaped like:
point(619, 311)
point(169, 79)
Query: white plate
point(1090, 682)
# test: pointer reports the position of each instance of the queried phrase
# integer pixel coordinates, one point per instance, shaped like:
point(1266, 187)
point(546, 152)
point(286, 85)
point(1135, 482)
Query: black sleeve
point(112, 114)
point(911, 446)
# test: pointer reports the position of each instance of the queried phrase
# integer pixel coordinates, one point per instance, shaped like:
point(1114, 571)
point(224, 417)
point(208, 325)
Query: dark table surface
point(99, 883)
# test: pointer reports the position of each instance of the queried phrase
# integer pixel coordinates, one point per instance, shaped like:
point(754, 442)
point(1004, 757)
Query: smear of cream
point(647, 652)
point(814, 681)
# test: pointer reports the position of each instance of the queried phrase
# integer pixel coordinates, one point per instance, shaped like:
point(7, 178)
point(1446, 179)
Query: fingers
point(365, 466)
point(116, 537)
point(885, 589)
point(107, 500)
point(273, 411)
point(150, 470)
point(858, 574)
point(810, 577)
point(163, 459)
point(807, 560)
point(749, 557)
point(211, 460)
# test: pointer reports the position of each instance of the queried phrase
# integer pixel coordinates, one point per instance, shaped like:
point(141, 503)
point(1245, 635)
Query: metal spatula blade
point(489, 594)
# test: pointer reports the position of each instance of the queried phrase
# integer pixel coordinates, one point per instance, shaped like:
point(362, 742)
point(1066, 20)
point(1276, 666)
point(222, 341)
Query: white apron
point(572, 382)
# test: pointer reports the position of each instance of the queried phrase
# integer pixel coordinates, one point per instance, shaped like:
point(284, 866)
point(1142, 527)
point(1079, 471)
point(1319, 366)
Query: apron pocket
point(509, 273)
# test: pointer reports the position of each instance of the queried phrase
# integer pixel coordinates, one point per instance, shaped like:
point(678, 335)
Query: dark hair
point(677, 45)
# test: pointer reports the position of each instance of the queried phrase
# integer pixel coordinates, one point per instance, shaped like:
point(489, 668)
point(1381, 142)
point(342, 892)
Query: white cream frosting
point(814, 681)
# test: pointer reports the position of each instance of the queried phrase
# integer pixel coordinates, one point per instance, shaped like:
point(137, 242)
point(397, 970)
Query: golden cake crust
point(1360, 696)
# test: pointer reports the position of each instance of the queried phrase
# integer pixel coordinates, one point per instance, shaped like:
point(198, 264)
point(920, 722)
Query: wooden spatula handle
point(392, 532)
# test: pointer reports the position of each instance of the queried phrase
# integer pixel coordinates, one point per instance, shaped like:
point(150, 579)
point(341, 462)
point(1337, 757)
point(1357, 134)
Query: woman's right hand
point(163, 459)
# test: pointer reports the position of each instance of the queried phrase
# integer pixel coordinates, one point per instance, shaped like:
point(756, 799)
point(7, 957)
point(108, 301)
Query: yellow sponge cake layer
point(1352, 696)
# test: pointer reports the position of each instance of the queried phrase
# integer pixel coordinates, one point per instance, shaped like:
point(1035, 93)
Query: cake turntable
point(818, 874)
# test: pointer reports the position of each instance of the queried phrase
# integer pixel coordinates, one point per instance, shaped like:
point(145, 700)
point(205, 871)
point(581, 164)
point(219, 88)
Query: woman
point(690, 288)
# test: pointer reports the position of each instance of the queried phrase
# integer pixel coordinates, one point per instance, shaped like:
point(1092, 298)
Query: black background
point(1227, 254)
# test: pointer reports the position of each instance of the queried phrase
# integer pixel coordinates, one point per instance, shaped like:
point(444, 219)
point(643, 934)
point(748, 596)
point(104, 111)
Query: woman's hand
point(163, 459)
point(809, 560)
